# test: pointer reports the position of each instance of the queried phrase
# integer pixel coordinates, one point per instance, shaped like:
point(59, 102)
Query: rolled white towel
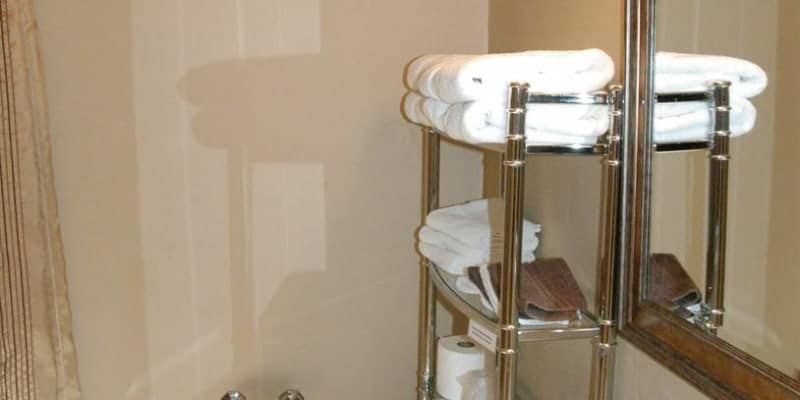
point(459, 77)
point(678, 72)
point(563, 124)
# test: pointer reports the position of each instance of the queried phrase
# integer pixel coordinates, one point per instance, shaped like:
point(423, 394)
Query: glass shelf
point(471, 306)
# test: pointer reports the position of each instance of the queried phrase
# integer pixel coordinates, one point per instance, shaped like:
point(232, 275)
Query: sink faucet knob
point(233, 395)
point(291, 394)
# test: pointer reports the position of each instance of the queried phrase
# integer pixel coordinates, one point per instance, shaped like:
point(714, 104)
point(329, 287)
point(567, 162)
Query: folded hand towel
point(547, 289)
point(471, 233)
point(459, 78)
point(477, 223)
point(455, 256)
point(677, 72)
point(670, 285)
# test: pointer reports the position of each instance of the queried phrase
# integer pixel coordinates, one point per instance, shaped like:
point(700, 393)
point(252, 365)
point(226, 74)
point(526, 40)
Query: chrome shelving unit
point(600, 326)
point(506, 323)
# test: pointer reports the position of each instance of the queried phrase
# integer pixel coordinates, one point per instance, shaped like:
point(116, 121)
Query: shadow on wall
point(307, 152)
point(279, 192)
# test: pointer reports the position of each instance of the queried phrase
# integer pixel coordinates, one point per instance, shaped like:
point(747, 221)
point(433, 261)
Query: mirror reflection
point(761, 256)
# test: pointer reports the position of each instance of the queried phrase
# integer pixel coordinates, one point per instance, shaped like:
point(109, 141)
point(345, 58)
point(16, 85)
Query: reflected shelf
point(470, 305)
point(682, 146)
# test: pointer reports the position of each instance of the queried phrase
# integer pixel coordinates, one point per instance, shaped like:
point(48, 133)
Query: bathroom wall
point(238, 192)
point(783, 275)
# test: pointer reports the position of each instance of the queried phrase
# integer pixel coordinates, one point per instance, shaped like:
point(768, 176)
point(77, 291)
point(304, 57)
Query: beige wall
point(238, 192)
point(784, 247)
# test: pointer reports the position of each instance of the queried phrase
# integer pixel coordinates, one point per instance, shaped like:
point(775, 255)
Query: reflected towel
point(679, 72)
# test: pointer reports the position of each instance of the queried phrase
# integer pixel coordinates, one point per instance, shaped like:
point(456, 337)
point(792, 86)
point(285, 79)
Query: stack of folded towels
point(461, 236)
point(465, 96)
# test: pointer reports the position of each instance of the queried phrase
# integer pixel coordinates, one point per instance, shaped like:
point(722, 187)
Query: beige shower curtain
point(37, 353)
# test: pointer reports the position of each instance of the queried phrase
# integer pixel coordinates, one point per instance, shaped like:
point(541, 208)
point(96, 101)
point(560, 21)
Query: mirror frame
point(714, 366)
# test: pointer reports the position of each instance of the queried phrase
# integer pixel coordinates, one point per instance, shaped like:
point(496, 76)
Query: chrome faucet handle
point(233, 395)
point(291, 394)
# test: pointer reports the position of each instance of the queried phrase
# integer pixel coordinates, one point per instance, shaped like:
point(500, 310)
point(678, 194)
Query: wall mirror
point(712, 279)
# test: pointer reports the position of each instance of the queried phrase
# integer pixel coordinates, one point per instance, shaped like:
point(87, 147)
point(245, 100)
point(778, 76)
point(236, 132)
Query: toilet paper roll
point(456, 357)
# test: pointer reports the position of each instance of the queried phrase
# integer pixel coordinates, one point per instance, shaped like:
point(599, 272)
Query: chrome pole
point(634, 235)
point(601, 386)
point(718, 206)
point(514, 167)
point(427, 299)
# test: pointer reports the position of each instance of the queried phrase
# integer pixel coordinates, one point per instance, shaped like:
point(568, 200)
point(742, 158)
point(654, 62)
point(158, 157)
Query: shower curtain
point(37, 353)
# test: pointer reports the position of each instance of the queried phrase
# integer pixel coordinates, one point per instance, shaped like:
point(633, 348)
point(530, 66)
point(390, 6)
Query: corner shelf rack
point(600, 326)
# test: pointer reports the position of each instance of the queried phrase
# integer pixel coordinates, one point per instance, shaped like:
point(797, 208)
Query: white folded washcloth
point(455, 256)
point(477, 222)
point(469, 234)
point(457, 263)
point(458, 78)
point(494, 250)
point(678, 72)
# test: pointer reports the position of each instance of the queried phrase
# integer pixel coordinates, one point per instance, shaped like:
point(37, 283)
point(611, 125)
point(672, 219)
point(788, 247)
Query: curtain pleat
point(37, 352)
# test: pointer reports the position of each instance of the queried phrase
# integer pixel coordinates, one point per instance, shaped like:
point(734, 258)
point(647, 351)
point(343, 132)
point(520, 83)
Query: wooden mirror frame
point(714, 366)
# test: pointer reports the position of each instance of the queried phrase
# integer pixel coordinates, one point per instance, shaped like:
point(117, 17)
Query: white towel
point(477, 222)
point(458, 78)
point(678, 72)
point(469, 234)
point(450, 261)
point(482, 122)
point(455, 256)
